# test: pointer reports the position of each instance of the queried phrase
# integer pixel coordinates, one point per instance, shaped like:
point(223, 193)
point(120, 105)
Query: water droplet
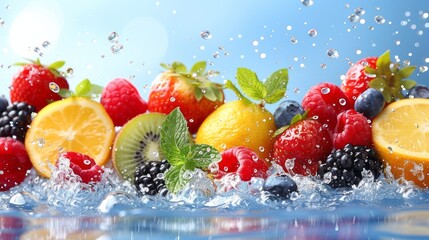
point(296, 90)
point(172, 99)
point(403, 23)
point(263, 55)
point(54, 87)
point(307, 3)
point(255, 43)
point(312, 32)
point(390, 149)
point(293, 40)
point(113, 37)
point(379, 19)
point(359, 11)
point(46, 44)
point(206, 35)
point(261, 149)
point(332, 53)
point(41, 142)
point(69, 72)
point(353, 18)
point(425, 15)
point(325, 90)
point(323, 66)
point(342, 101)
point(1, 22)
point(216, 54)
point(87, 162)
point(116, 48)
point(423, 69)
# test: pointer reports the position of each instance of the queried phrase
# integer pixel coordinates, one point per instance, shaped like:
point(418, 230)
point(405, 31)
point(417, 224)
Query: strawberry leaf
point(405, 72)
point(65, 93)
point(250, 84)
point(199, 68)
point(383, 62)
point(83, 88)
point(408, 84)
point(57, 65)
point(178, 67)
point(276, 85)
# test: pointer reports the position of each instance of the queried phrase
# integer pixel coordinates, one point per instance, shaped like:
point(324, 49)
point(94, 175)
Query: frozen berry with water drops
point(370, 103)
point(286, 111)
point(348, 166)
point(419, 91)
point(3, 103)
point(149, 177)
point(280, 186)
point(14, 121)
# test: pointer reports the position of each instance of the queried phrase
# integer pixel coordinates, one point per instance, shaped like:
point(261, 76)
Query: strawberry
point(122, 101)
point(379, 73)
point(302, 146)
point(83, 166)
point(192, 92)
point(324, 102)
point(243, 161)
point(33, 78)
point(14, 163)
point(352, 128)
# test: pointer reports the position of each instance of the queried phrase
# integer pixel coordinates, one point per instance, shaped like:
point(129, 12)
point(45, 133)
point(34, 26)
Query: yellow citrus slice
point(401, 138)
point(73, 124)
point(238, 123)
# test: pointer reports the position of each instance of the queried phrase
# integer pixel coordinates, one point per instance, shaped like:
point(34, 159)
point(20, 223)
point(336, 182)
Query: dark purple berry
point(419, 91)
point(280, 186)
point(343, 167)
point(3, 103)
point(286, 111)
point(369, 103)
point(147, 180)
point(15, 120)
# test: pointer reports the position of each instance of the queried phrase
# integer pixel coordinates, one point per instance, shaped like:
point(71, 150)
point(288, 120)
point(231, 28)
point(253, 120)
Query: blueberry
point(286, 111)
point(419, 91)
point(3, 103)
point(280, 186)
point(369, 103)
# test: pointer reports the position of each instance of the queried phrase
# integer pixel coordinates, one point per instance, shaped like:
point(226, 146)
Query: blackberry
point(3, 103)
point(147, 178)
point(344, 167)
point(15, 119)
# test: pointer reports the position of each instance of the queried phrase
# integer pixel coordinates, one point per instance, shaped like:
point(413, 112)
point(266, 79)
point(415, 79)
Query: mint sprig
point(270, 91)
point(181, 152)
point(84, 89)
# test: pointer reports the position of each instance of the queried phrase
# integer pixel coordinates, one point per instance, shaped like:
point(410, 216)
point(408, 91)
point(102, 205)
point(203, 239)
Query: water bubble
point(293, 40)
point(216, 54)
point(312, 32)
point(332, 53)
point(423, 69)
point(116, 48)
point(263, 55)
point(255, 43)
point(403, 23)
point(87, 162)
point(46, 44)
point(54, 87)
point(325, 90)
point(1, 22)
point(323, 66)
point(307, 3)
point(172, 99)
point(379, 19)
point(425, 15)
point(296, 90)
point(342, 101)
point(359, 11)
point(113, 37)
point(353, 18)
point(289, 27)
point(206, 35)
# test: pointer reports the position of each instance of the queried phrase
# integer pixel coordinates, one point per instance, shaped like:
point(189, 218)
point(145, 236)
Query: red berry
point(356, 80)
point(14, 163)
point(352, 127)
point(324, 102)
point(83, 166)
point(122, 101)
point(193, 93)
point(36, 78)
point(243, 161)
point(302, 146)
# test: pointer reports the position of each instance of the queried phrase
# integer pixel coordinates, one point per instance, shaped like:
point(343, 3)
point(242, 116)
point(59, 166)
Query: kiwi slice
point(138, 141)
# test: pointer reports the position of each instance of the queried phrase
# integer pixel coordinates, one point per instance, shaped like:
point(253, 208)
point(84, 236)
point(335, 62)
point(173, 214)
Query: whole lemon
point(239, 123)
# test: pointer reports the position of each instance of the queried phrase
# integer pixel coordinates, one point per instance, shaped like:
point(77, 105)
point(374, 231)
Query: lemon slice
point(401, 138)
point(73, 124)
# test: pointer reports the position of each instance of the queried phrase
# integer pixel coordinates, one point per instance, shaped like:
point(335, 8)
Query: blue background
point(242, 33)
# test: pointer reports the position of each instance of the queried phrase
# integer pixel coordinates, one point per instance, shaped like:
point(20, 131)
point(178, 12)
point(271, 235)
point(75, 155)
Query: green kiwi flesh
point(139, 140)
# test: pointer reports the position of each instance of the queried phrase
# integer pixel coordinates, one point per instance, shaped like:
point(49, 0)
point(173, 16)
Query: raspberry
point(84, 166)
point(243, 161)
point(147, 179)
point(352, 127)
point(14, 121)
point(324, 102)
point(344, 167)
point(14, 163)
point(122, 101)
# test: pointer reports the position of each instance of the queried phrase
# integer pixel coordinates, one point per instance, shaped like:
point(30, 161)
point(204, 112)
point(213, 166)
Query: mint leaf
point(175, 142)
point(199, 68)
point(276, 85)
point(250, 84)
point(203, 155)
point(230, 85)
point(174, 179)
